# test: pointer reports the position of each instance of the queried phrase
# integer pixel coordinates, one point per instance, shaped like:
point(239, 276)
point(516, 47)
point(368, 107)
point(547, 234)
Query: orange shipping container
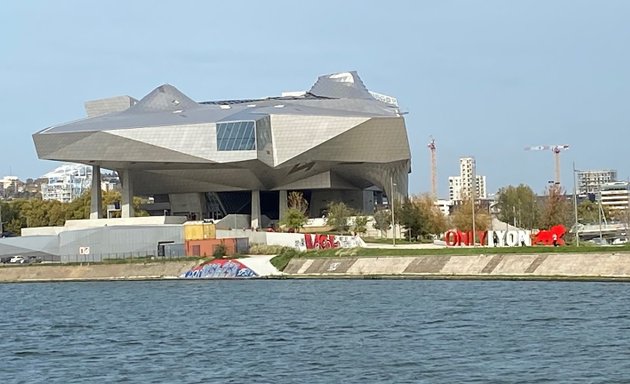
point(207, 247)
point(199, 231)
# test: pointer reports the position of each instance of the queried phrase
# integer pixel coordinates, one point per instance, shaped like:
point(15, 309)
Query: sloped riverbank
point(523, 266)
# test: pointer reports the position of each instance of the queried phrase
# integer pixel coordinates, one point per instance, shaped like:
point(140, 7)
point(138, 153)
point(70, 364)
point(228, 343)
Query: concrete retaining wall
point(260, 265)
point(599, 265)
point(131, 271)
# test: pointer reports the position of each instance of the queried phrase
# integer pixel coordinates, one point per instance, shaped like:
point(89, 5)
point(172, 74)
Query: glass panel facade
point(263, 132)
point(236, 136)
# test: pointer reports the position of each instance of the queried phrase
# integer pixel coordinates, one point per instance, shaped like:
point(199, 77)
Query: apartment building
point(460, 187)
point(588, 182)
point(615, 195)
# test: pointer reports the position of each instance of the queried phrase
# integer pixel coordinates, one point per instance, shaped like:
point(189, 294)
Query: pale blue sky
point(485, 78)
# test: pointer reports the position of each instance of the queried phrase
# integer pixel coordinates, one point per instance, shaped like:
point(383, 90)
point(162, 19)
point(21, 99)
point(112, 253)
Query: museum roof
point(340, 94)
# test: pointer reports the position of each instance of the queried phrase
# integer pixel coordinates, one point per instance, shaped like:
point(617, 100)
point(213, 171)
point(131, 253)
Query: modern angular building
point(335, 142)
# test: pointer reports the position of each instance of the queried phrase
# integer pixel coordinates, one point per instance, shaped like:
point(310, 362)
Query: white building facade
point(444, 206)
point(615, 195)
point(588, 182)
point(67, 182)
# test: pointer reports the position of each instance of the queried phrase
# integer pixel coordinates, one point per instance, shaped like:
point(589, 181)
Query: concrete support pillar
point(97, 195)
point(283, 204)
point(126, 194)
point(255, 209)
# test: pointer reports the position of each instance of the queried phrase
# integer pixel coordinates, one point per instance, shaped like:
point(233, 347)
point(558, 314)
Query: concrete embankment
point(590, 266)
point(526, 266)
point(128, 271)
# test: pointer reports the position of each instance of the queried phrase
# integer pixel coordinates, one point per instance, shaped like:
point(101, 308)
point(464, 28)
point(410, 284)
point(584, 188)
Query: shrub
point(282, 259)
point(219, 251)
point(294, 219)
point(337, 217)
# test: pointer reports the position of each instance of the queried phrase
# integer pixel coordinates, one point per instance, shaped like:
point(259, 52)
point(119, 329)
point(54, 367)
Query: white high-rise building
point(67, 182)
point(460, 187)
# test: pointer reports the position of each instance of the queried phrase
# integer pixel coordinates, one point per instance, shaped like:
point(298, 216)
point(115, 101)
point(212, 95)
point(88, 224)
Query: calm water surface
point(315, 331)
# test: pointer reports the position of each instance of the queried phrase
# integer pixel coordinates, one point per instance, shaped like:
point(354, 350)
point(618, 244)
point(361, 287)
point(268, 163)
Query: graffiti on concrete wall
point(307, 241)
point(219, 269)
point(319, 241)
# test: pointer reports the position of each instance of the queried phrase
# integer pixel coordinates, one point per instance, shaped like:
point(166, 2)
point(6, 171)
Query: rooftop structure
point(335, 142)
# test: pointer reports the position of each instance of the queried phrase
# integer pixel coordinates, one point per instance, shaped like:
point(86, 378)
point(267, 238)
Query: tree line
point(516, 205)
point(422, 220)
point(35, 212)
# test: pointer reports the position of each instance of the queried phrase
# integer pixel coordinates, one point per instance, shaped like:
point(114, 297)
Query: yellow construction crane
point(432, 148)
point(556, 149)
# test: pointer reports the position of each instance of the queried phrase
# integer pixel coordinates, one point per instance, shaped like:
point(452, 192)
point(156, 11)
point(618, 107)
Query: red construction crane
point(556, 149)
point(432, 148)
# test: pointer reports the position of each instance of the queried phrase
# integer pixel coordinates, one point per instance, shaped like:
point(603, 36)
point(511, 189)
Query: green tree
point(21, 213)
point(42, 213)
point(413, 219)
point(462, 217)
point(338, 215)
point(518, 206)
point(436, 221)
point(13, 226)
point(297, 201)
point(137, 202)
point(295, 216)
point(79, 208)
point(421, 217)
point(360, 224)
point(589, 213)
point(382, 220)
point(556, 209)
point(11, 221)
point(293, 219)
point(56, 213)
point(620, 215)
point(112, 197)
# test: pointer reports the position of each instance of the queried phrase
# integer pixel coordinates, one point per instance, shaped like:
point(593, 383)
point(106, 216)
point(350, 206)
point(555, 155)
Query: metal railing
point(114, 258)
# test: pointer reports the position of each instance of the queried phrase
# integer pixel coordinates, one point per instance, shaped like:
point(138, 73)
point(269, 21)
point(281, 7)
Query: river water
point(315, 331)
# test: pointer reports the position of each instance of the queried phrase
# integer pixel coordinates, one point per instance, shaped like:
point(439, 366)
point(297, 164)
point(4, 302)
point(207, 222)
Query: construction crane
point(432, 148)
point(556, 149)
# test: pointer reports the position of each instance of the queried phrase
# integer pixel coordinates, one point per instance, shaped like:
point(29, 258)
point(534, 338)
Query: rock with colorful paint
point(220, 269)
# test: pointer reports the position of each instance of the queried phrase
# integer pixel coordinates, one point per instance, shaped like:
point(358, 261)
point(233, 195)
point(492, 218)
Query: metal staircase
point(216, 209)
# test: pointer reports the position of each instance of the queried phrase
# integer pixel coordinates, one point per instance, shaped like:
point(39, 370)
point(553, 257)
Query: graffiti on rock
point(219, 269)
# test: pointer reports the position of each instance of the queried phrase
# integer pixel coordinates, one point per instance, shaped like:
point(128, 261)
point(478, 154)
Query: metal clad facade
point(94, 244)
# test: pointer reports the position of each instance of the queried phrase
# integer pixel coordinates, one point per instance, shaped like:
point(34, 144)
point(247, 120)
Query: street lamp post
point(391, 203)
point(473, 195)
point(599, 210)
point(575, 210)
